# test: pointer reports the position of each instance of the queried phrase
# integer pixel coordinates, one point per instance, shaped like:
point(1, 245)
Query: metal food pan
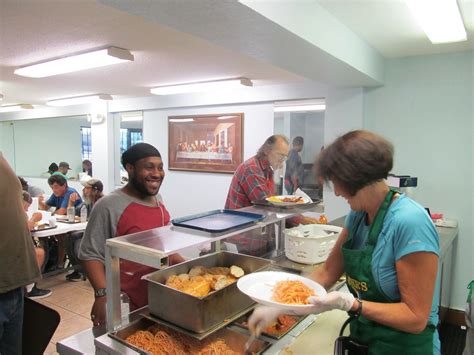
point(200, 314)
point(235, 340)
point(242, 323)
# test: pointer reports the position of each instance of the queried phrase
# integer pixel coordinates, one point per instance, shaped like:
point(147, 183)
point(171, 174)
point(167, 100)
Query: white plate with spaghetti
point(272, 288)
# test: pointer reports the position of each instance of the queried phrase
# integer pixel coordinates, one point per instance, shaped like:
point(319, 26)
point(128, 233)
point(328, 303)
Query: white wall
point(187, 193)
point(426, 110)
point(344, 112)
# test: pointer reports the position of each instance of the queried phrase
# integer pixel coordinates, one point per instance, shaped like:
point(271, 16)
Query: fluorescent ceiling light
point(12, 108)
point(182, 120)
point(440, 19)
point(300, 105)
point(94, 59)
point(131, 117)
point(78, 100)
point(296, 108)
point(201, 86)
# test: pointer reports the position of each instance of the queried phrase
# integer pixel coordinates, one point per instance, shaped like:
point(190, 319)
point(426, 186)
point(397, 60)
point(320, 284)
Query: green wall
point(31, 145)
point(426, 109)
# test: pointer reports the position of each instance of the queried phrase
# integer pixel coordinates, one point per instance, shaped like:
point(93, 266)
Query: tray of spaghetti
point(289, 292)
point(278, 329)
point(145, 336)
point(200, 294)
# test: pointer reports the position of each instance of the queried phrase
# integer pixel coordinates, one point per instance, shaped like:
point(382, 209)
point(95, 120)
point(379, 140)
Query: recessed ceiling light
point(201, 86)
point(82, 61)
point(13, 108)
point(440, 19)
point(78, 100)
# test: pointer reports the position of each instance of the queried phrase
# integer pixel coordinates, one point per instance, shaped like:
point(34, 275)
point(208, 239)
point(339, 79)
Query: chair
point(39, 324)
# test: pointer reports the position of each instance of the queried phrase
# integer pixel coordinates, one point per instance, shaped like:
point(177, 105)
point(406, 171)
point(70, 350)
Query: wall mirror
point(128, 130)
point(30, 146)
point(296, 121)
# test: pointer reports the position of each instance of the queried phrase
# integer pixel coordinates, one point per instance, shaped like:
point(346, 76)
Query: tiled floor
point(73, 301)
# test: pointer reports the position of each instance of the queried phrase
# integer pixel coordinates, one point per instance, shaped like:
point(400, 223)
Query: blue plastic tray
point(217, 221)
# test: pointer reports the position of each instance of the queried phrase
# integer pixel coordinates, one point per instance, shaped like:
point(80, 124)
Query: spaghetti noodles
point(158, 341)
point(291, 292)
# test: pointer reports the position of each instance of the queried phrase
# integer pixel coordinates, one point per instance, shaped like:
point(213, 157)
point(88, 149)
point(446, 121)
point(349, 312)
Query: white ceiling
point(390, 28)
point(36, 30)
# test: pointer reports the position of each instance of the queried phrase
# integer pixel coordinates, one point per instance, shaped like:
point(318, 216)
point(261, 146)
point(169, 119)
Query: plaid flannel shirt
point(252, 181)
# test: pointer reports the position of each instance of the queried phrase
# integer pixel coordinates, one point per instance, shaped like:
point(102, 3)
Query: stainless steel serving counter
point(146, 246)
point(152, 248)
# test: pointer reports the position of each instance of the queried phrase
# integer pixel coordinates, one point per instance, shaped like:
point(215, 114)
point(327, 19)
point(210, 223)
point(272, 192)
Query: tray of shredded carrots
point(147, 337)
point(287, 291)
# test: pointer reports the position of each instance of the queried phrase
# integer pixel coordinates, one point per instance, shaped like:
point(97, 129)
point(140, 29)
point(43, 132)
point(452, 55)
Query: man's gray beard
point(87, 200)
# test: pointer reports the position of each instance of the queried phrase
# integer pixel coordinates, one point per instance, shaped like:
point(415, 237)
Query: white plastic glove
point(333, 300)
point(263, 317)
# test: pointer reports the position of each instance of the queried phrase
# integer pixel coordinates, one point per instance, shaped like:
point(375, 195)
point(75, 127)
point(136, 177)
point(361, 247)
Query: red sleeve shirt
point(136, 218)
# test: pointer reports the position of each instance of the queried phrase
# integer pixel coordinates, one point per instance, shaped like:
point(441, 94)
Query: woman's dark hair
point(27, 197)
point(58, 179)
point(24, 183)
point(355, 160)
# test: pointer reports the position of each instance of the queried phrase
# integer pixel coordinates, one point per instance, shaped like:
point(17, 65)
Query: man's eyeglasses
point(282, 157)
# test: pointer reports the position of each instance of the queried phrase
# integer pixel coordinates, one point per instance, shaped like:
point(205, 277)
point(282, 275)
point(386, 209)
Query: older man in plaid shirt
point(253, 181)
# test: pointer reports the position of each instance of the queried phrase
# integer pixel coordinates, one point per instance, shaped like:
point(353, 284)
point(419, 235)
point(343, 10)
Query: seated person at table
point(63, 169)
point(32, 290)
point(87, 167)
point(253, 181)
point(91, 193)
point(134, 208)
point(60, 197)
point(52, 168)
point(34, 191)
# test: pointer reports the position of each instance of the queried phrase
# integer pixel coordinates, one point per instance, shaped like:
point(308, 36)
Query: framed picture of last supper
point(207, 143)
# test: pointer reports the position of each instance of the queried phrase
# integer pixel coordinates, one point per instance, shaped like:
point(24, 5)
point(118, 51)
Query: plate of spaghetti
point(287, 291)
point(287, 200)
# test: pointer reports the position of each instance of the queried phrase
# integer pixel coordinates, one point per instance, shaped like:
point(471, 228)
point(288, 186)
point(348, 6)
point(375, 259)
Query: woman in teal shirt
point(389, 250)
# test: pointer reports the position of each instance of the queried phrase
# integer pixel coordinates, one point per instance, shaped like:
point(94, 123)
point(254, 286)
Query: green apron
point(358, 266)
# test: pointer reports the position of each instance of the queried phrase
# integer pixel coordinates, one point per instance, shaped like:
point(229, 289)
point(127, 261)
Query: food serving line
point(152, 248)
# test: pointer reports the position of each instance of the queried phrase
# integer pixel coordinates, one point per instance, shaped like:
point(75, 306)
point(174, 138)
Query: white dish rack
point(310, 243)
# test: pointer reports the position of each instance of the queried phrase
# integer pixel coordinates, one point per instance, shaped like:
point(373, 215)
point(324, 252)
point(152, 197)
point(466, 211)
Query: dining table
point(62, 227)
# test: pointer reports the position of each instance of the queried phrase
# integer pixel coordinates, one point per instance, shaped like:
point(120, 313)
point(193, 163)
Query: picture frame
point(205, 143)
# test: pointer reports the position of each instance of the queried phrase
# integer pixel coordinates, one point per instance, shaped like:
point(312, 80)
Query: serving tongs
point(249, 343)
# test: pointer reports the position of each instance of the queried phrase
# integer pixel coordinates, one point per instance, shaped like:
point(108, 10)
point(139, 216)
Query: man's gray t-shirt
point(103, 222)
